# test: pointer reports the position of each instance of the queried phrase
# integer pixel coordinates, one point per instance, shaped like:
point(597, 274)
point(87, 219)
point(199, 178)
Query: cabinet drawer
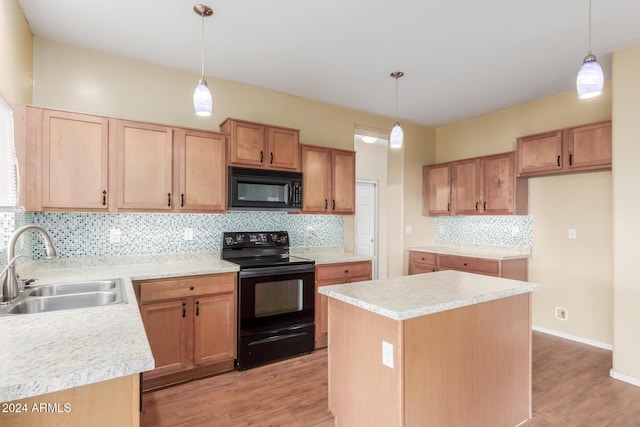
point(473, 265)
point(182, 287)
point(346, 270)
point(422, 258)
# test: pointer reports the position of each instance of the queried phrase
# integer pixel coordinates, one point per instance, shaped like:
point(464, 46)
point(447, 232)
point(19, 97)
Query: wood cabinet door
point(284, 149)
point(540, 154)
point(247, 145)
point(498, 184)
point(343, 182)
point(168, 328)
point(75, 160)
point(202, 170)
point(144, 166)
point(436, 189)
point(316, 175)
point(214, 328)
point(589, 147)
point(466, 187)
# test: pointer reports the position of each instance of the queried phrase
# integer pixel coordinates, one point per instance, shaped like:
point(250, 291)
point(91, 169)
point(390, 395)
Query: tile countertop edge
point(22, 383)
point(334, 291)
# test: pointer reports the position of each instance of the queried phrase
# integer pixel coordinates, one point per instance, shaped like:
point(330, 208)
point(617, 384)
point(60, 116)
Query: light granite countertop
point(407, 297)
point(477, 251)
point(47, 352)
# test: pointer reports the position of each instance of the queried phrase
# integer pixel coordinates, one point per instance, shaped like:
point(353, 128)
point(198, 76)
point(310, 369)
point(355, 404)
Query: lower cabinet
point(427, 262)
point(335, 274)
point(191, 326)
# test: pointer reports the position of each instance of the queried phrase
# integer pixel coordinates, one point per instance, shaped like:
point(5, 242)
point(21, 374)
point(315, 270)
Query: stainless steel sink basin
point(67, 296)
point(72, 288)
point(63, 302)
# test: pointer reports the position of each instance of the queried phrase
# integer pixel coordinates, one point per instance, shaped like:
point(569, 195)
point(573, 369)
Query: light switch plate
point(188, 234)
point(387, 354)
point(408, 229)
point(573, 234)
point(114, 235)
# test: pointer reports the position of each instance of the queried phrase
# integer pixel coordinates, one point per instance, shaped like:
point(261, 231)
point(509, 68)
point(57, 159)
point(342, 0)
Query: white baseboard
point(588, 341)
point(626, 378)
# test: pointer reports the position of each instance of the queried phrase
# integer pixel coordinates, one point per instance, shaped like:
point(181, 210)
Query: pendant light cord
point(202, 49)
point(396, 99)
point(589, 27)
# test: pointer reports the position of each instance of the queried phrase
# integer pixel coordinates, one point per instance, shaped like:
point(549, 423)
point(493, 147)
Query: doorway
point(366, 221)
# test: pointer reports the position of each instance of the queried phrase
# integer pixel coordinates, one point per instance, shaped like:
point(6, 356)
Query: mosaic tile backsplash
point(88, 234)
point(503, 230)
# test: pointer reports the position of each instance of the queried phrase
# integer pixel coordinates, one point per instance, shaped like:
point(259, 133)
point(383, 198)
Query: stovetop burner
point(259, 249)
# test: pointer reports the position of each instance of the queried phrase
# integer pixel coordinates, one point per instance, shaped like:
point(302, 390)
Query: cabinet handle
point(271, 161)
point(169, 199)
point(261, 156)
point(104, 197)
point(326, 204)
point(184, 309)
point(484, 206)
point(334, 204)
point(477, 206)
point(197, 308)
point(448, 207)
point(182, 200)
point(558, 161)
point(570, 159)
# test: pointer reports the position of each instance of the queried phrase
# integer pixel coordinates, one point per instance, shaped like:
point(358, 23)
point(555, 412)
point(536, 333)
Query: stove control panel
point(255, 239)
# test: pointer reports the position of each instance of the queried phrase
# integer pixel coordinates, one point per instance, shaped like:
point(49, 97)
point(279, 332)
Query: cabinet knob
point(191, 288)
point(346, 271)
point(465, 264)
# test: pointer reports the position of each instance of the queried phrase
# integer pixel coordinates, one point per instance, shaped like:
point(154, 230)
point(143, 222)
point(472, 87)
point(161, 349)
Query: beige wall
point(73, 78)
point(626, 205)
point(16, 52)
point(575, 274)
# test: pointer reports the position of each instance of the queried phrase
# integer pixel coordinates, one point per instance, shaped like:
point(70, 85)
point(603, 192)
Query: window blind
point(8, 169)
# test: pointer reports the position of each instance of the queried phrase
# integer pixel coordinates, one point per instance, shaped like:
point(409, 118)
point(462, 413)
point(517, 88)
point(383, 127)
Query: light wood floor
point(571, 387)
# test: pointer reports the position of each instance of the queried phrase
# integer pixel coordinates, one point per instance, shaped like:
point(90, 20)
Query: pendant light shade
point(590, 78)
point(202, 101)
point(397, 135)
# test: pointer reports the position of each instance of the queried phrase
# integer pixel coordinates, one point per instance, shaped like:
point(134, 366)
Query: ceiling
point(461, 58)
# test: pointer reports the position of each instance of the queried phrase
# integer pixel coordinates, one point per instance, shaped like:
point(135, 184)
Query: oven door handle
point(285, 270)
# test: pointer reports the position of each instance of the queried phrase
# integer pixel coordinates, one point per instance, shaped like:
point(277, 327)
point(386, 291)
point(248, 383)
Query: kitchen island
point(436, 349)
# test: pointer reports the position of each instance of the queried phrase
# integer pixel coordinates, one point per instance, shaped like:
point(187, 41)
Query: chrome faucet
point(10, 282)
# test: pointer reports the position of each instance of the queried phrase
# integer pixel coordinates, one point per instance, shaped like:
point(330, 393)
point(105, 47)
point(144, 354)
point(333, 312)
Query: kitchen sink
point(73, 288)
point(67, 296)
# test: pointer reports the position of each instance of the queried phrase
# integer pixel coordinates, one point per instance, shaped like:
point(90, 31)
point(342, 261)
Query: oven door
point(275, 313)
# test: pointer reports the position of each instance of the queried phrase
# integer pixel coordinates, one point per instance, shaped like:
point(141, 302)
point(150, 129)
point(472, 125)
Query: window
point(8, 163)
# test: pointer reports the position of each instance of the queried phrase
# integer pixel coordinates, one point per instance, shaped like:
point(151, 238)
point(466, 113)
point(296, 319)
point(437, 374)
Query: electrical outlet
point(188, 234)
point(408, 230)
point(310, 230)
point(115, 235)
point(562, 313)
point(573, 234)
point(387, 354)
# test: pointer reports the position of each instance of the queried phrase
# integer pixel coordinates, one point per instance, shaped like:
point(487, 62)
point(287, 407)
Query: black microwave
point(259, 189)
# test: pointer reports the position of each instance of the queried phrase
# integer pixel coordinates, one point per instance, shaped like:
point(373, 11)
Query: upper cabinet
point(329, 180)
point(64, 159)
point(200, 161)
point(479, 186)
point(257, 145)
point(573, 149)
point(81, 162)
point(436, 188)
point(143, 155)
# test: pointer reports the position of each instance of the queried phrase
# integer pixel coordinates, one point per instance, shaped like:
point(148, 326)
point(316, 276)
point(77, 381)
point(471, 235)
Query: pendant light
point(202, 102)
point(396, 137)
point(590, 77)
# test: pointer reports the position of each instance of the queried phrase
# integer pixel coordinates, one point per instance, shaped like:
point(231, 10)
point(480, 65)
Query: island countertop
point(407, 297)
point(52, 351)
